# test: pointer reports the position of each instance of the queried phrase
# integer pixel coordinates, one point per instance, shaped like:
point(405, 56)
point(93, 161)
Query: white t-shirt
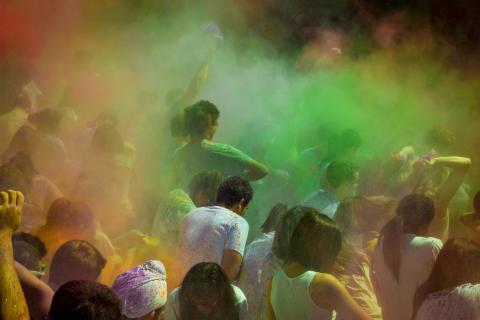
point(172, 308)
point(462, 302)
point(259, 266)
point(206, 232)
point(418, 255)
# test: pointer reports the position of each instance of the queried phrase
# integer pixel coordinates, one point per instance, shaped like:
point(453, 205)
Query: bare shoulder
point(323, 288)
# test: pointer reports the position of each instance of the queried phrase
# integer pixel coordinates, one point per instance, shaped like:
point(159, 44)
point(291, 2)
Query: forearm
point(460, 163)
point(256, 171)
point(12, 302)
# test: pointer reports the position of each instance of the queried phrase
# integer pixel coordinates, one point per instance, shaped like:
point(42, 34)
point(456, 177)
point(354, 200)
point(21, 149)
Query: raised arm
point(460, 166)
point(12, 300)
point(196, 83)
point(256, 171)
point(440, 225)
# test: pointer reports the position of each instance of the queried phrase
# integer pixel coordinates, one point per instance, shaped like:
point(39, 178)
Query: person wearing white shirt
point(218, 233)
point(404, 256)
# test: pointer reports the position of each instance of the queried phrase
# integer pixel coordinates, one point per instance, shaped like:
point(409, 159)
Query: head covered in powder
point(142, 289)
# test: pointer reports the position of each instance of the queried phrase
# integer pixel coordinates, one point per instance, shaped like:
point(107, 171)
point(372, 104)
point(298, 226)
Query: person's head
point(107, 140)
point(201, 120)
point(274, 217)
point(84, 300)
point(142, 291)
point(235, 193)
point(73, 218)
point(76, 260)
point(316, 241)
point(456, 264)
point(46, 120)
point(348, 144)
point(28, 250)
point(343, 178)
point(415, 212)
point(440, 139)
point(203, 187)
point(206, 293)
point(476, 203)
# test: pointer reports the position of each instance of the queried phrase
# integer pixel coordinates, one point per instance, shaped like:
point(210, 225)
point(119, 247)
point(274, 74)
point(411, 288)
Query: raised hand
point(11, 209)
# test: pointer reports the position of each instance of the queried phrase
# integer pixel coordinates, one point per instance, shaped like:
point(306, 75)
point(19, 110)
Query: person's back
point(207, 231)
point(291, 299)
point(418, 256)
point(462, 302)
point(259, 265)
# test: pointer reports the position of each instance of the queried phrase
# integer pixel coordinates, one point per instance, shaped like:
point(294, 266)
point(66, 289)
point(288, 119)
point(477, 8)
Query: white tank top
point(290, 298)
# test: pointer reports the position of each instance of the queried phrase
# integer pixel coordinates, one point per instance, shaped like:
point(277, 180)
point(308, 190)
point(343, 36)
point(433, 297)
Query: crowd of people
point(78, 241)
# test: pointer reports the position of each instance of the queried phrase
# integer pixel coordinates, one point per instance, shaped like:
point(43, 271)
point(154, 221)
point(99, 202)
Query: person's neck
point(294, 269)
point(421, 232)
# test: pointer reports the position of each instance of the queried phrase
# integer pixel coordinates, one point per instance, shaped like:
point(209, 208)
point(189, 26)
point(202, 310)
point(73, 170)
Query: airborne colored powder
point(90, 57)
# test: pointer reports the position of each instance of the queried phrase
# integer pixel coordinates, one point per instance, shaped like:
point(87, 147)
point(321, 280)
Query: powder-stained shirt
point(206, 232)
point(192, 159)
point(169, 215)
point(259, 266)
point(417, 258)
point(462, 302)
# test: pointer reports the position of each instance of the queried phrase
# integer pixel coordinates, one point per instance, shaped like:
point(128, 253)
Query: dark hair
point(338, 144)
point(440, 138)
point(28, 250)
point(85, 300)
point(274, 217)
point(233, 190)
point(76, 260)
point(320, 231)
point(107, 139)
point(476, 202)
point(207, 279)
point(177, 126)
point(349, 139)
point(197, 117)
point(340, 172)
point(456, 264)
point(207, 181)
point(414, 210)
point(67, 215)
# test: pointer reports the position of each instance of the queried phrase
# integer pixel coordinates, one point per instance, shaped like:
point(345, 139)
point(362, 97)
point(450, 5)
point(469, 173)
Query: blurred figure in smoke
point(471, 220)
point(202, 192)
point(342, 178)
point(201, 154)
point(68, 220)
point(106, 178)
point(13, 120)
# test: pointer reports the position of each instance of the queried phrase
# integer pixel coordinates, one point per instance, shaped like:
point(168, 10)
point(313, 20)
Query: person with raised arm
point(12, 299)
